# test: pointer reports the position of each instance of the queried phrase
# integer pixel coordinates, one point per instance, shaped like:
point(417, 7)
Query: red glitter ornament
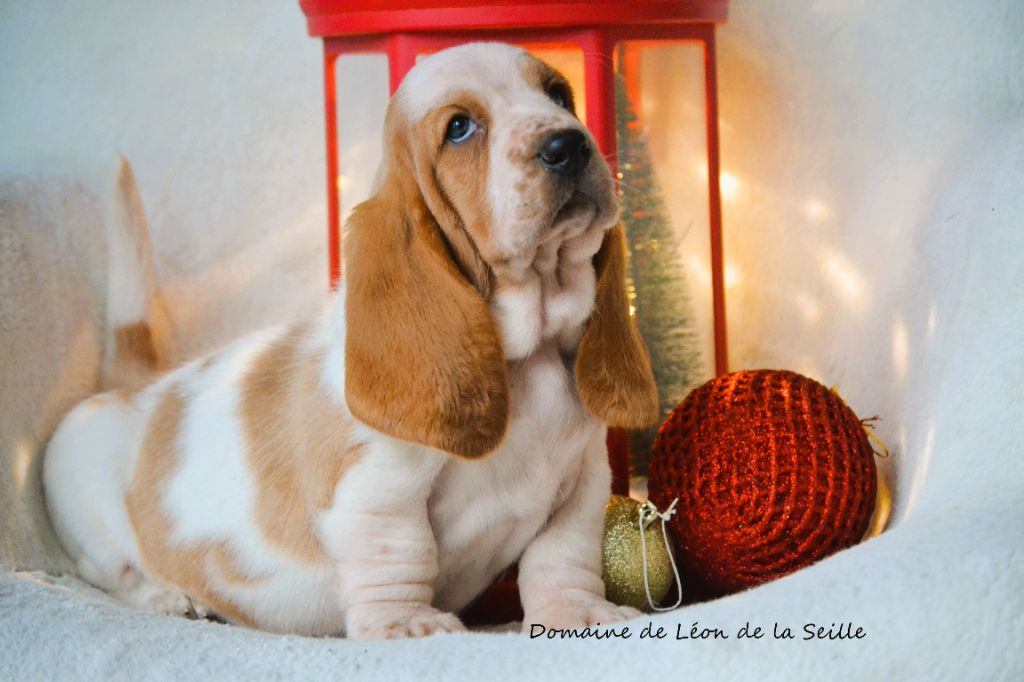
point(773, 472)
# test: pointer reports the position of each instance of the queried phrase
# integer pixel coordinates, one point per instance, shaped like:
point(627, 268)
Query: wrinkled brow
point(433, 122)
point(462, 100)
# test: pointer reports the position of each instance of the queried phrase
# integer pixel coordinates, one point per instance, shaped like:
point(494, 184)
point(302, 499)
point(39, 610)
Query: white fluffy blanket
point(937, 598)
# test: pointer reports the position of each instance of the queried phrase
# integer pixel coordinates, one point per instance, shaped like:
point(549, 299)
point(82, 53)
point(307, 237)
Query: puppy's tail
point(138, 341)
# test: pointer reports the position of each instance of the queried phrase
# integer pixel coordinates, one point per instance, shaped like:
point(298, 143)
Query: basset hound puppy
point(370, 471)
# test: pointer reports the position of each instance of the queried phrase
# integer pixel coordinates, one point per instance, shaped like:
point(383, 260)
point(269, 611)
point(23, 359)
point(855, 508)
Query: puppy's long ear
point(423, 360)
point(613, 372)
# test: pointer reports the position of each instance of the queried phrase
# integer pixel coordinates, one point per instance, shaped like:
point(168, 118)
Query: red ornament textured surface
point(773, 472)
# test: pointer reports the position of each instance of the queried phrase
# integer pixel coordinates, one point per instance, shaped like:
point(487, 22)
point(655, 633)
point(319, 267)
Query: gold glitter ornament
point(623, 555)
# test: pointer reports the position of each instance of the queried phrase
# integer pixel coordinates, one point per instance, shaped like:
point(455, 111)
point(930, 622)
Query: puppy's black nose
point(565, 152)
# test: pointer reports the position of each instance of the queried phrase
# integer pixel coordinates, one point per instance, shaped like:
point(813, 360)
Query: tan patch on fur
point(525, 142)
point(225, 563)
point(543, 76)
point(134, 358)
point(298, 442)
point(452, 180)
point(328, 451)
point(613, 371)
point(164, 560)
point(423, 359)
point(134, 342)
point(124, 394)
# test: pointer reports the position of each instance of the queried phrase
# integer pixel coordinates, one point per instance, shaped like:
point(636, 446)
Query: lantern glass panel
point(660, 111)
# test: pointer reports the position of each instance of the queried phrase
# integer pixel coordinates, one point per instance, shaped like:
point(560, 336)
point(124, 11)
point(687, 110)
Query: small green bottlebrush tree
point(655, 278)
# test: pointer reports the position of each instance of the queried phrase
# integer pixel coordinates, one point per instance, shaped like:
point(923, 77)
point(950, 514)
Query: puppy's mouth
point(583, 209)
point(574, 207)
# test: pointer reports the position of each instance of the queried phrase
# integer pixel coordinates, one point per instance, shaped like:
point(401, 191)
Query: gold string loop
point(869, 428)
point(647, 514)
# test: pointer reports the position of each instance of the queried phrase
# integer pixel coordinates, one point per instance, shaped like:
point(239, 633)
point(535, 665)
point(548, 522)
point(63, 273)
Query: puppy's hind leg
point(85, 473)
point(126, 582)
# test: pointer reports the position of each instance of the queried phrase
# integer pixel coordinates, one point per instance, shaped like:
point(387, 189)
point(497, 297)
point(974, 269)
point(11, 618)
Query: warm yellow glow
point(733, 276)
point(632, 311)
point(816, 210)
point(883, 508)
point(848, 282)
point(344, 182)
point(701, 274)
point(900, 348)
point(649, 105)
point(808, 366)
point(22, 463)
point(729, 185)
point(808, 307)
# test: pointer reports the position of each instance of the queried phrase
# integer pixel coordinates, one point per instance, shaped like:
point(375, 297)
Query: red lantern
point(403, 29)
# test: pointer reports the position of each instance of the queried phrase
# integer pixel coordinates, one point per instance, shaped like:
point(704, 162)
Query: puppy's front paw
point(398, 620)
point(578, 613)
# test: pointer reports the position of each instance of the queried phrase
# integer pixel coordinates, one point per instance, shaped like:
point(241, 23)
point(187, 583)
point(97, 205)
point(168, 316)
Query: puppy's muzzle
point(565, 152)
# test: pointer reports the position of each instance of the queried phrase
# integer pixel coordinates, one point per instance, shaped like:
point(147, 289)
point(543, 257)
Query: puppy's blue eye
point(459, 128)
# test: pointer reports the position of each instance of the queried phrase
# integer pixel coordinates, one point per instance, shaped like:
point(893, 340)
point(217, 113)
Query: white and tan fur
point(370, 471)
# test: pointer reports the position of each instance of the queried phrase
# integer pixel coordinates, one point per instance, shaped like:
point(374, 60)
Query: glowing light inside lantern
point(733, 276)
point(729, 184)
point(701, 272)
